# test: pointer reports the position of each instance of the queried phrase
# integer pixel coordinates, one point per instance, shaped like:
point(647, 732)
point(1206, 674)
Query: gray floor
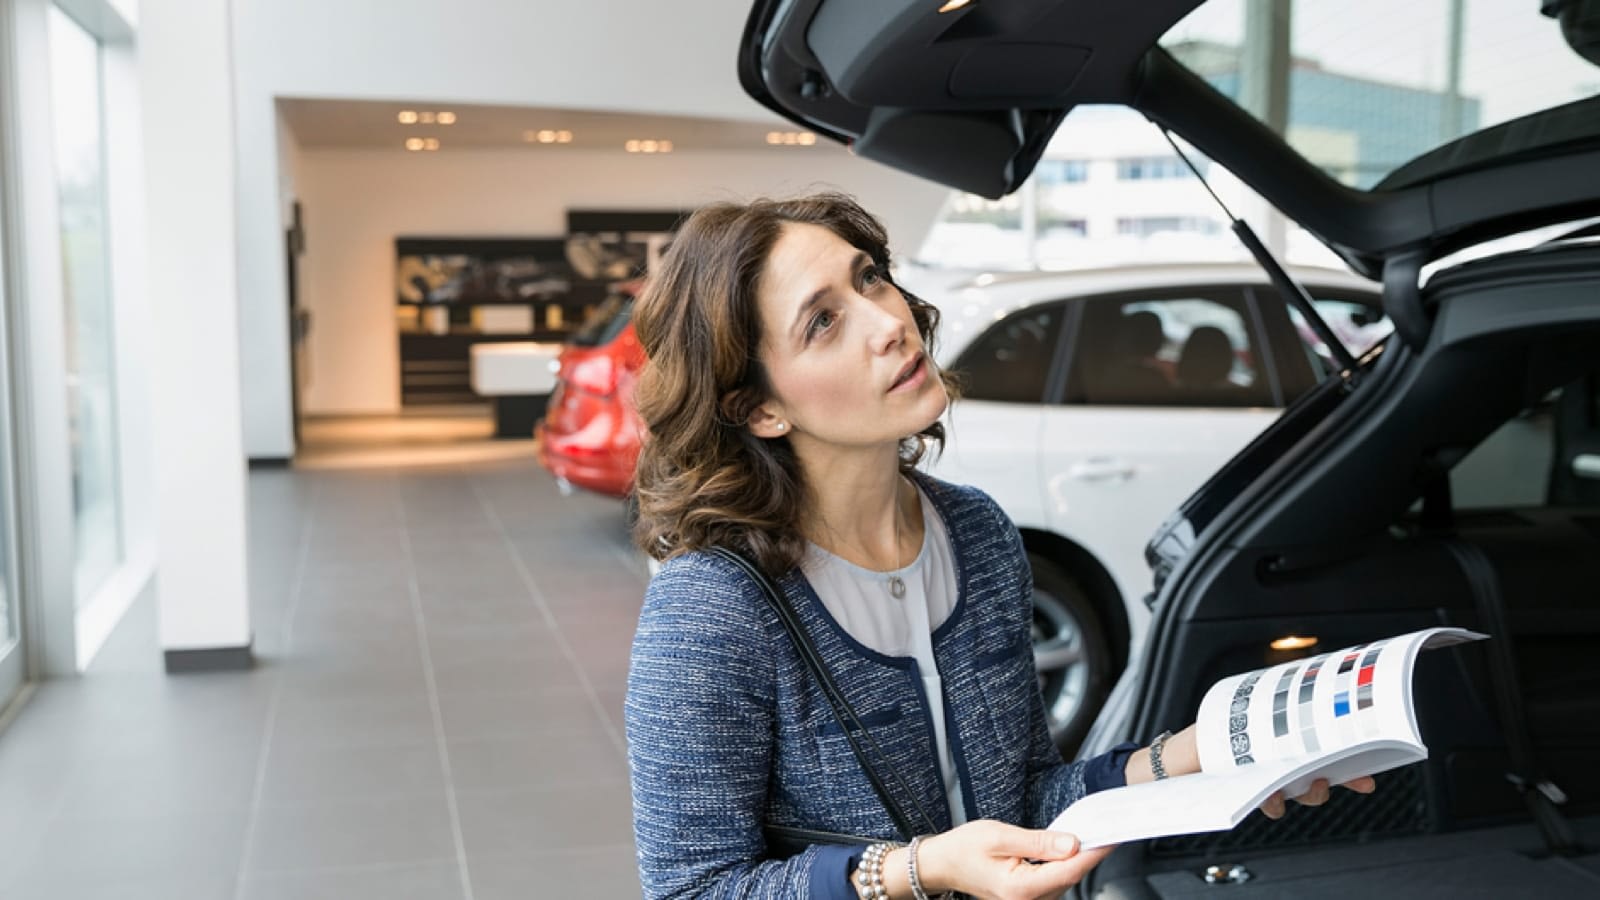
point(436, 712)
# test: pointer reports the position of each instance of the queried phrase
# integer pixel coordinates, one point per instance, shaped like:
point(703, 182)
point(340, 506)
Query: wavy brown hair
point(703, 479)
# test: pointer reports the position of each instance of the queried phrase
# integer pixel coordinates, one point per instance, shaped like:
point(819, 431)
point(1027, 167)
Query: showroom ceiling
point(362, 124)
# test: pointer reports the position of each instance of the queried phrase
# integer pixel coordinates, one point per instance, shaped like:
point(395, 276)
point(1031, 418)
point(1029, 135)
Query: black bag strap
point(848, 721)
point(1544, 799)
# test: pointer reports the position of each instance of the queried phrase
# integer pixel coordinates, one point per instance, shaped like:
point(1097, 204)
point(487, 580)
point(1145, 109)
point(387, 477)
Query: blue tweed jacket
point(727, 729)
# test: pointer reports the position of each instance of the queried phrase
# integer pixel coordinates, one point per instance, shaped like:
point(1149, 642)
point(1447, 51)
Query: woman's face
point(842, 352)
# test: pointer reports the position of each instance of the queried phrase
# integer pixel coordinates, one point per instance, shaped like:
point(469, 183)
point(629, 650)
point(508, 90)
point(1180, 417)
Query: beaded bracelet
point(869, 874)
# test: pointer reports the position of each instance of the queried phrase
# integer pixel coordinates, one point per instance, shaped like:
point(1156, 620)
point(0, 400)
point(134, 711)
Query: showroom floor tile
point(435, 712)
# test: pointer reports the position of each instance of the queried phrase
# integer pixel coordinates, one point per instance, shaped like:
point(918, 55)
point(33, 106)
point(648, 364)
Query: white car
point(1096, 401)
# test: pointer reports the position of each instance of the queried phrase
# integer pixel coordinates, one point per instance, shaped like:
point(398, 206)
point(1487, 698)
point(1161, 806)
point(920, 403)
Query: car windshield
point(1374, 84)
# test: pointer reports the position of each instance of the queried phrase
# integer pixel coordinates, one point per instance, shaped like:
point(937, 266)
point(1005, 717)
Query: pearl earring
point(783, 426)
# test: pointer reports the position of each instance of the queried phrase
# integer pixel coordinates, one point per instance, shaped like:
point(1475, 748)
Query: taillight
point(593, 375)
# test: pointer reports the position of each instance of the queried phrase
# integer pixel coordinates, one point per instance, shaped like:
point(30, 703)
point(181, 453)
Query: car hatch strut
point(1291, 289)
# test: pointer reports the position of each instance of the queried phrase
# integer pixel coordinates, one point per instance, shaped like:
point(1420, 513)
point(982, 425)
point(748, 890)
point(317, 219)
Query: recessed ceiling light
point(446, 117)
point(665, 146)
point(430, 144)
point(547, 136)
point(791, 138)
point(563, 136)
point(953, 5)
point(414, 143)
point(631, 146)
point(1294, 642)
point(407, 117)
point(425, 117)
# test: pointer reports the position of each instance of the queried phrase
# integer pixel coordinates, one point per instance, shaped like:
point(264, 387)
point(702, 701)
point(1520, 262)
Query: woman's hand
point(989, 859)
point(1180, 756)
point(1275, 806)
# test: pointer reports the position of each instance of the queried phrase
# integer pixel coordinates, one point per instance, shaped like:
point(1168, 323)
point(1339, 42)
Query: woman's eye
point(871, 276)
point(821, 322)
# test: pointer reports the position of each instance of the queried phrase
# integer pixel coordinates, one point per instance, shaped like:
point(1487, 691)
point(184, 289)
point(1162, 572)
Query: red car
point(590, 433)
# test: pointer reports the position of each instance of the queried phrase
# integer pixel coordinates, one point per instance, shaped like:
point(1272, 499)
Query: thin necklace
point(897, 587)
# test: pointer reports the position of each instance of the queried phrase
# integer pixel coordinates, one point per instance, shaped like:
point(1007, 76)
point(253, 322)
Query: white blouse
point(860, 601)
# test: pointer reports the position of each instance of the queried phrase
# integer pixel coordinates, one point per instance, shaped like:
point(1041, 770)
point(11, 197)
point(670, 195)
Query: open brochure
point(1337, 716)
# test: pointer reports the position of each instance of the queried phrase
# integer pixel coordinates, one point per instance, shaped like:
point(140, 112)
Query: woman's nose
point(889, 330)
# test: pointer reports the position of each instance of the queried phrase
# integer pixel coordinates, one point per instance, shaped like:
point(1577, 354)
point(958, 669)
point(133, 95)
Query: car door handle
point(1100, 468)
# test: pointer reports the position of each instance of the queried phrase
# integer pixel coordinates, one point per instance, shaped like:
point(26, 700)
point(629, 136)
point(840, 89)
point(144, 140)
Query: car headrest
point(1207, 357)
point(1140, 334)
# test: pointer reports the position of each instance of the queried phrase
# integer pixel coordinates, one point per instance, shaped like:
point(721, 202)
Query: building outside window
point(77, 112)
point(1151, 168)
point(1153, 225)
point(1061, 171)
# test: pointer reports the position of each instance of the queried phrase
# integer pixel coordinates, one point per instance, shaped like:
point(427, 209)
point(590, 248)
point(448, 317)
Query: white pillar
point(1264, 83)
point(186, 78)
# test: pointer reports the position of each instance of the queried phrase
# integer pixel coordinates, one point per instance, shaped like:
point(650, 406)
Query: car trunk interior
point(1350, 539)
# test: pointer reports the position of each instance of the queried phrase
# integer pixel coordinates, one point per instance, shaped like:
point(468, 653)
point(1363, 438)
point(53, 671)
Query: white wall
point(195, 405)
point(661, 58)
point(357, 203)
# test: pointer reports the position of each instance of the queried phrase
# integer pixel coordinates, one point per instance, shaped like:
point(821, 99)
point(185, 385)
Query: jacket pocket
point(869, 721)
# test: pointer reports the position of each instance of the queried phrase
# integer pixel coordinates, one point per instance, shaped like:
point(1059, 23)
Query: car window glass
point(1548, 455)
point(1179, 351)
point(1359, 327)
point(1010, 361)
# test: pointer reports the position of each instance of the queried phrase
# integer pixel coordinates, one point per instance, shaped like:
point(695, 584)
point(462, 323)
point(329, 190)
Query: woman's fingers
point(1316, 795)
point(1273, 807)
point(1025, 843)
point(1363, 785)
point(1049, 879)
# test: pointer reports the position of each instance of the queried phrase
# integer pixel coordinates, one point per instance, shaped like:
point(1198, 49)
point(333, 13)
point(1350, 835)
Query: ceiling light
point(807, 139)
point(665, 146)
point(425, 118)
point(430, 144)
point(774, 137)
point(647, 146)
point(563, 136)
point(1294, 642)
point(414, 143)
point(631, 146)
point(953, 5)
point(447, 117)
point(407, 117)
point(546, 136)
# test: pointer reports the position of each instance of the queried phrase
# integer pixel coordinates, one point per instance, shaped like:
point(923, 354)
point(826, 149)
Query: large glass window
point(1373, 83)
point(91, 400)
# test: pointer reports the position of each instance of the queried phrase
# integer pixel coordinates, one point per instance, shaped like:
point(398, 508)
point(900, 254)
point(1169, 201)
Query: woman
point(789, 393)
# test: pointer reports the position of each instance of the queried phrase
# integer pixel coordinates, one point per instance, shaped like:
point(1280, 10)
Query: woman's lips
point(913, 377)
